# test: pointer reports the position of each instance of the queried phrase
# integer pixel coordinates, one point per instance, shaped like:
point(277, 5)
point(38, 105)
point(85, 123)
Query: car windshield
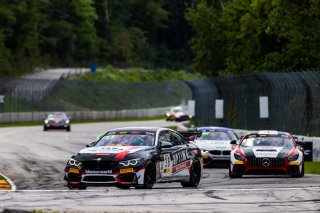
point(277, 141)
point(217, 135)
point(127, 139)
point(57, 115)
point(177, 109)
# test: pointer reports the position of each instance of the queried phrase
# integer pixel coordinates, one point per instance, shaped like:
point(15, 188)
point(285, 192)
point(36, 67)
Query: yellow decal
point(205, 156)
point(73, 170)
point(294, 163)
point(126, 170)
point(167, 170)
point(238, 162)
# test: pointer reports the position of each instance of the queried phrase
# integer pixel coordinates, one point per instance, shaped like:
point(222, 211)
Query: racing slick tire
point(233, 175)
point(149, 176)
point(45, 128)
point(301, 174)
point(68, 129)
point(77, 187)
point(195, 175)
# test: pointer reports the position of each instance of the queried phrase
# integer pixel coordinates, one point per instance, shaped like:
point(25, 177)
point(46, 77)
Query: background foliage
point(217, 37)
point(246, 36)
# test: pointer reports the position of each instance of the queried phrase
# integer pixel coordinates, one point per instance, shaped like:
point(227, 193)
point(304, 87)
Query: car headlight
point(293, 157)
point(73, 162)
point(46, 121)
point(67, 121)
point(204, 151)
point(132, 162)
point(239, 157)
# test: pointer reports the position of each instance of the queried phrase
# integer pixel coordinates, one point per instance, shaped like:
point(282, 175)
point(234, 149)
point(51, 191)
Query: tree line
point(212, 37)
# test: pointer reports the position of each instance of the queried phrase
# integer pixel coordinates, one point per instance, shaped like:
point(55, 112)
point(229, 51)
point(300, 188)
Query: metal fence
point(39, 95)
point(293, 101)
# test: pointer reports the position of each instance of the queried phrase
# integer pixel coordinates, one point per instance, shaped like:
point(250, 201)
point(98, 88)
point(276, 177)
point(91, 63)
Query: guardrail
point(12, 117)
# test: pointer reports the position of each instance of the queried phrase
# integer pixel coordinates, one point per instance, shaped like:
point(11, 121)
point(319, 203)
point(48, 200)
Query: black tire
point(301, 174)
point(121, 186)
point(45, 128)
point(68, 129)
point(195, 175)
point(233, 175)
point(77, 187)
point(149, 176)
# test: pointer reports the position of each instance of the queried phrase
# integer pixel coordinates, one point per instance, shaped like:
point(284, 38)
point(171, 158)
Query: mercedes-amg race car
point(136, 156)
point(214, 143)
point(267, 152)
point(57, 120)
point(177, 113)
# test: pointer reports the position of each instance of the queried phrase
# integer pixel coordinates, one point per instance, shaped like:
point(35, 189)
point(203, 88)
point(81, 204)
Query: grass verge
point(312, 167)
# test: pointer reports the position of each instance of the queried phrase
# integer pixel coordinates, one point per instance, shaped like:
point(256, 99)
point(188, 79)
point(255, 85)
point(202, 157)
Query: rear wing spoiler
point(191, 134)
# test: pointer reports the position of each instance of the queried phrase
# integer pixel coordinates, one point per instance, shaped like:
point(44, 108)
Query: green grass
point(2, 178)
point(312, 167)
point(138, 75)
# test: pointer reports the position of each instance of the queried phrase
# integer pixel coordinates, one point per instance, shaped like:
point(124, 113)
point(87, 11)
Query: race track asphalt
point(35, 160)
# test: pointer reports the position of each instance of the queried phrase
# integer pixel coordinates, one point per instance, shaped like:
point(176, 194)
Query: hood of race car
point(213, 144)
point(266, 151)
point(110, 152)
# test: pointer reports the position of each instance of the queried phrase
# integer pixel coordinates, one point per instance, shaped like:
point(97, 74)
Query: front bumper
point(80, 178)
point(243, 169)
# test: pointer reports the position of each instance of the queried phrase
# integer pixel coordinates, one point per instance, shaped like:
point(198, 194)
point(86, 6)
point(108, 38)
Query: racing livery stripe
point(123, 154)
point(181, 166)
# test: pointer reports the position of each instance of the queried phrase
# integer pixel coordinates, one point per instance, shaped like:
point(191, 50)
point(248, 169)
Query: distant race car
point(57, 120)
point(177, 113)
point(214, 143)
point(138, 157)
point(267, 152)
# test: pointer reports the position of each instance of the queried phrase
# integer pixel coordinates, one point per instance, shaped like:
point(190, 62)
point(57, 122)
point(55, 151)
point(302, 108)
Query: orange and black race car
point(267, 152)
point(138, 157)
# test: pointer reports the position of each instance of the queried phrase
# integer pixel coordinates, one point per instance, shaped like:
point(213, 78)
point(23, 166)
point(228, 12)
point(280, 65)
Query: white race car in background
point(214, 143)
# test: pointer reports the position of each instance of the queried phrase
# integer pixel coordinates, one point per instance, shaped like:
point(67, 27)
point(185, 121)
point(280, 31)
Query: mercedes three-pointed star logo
point(265, 162)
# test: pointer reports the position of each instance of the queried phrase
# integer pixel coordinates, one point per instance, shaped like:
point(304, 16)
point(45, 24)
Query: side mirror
point(199, 133)
point(233, 142)
point(90, 144)
point(165, 144)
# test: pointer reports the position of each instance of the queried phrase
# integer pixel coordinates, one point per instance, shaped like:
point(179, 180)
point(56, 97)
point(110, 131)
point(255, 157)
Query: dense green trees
point(220, 36)
point(37, 33)
point(255, 35)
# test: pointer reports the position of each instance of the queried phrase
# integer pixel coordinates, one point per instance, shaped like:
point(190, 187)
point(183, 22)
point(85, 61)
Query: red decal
point(123, 154)
point(181, 167)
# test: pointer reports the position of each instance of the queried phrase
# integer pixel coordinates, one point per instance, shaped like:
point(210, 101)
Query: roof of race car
point(152, 129)
point(214, 128)
point(266, 132)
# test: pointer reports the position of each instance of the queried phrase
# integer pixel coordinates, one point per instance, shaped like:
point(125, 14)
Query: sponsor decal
point(266, 152)
point(179, 156)
point(238, 162)
point(98, 172)
point(167, 170)
point(294, 163)
point(180, 167)
point(74, 170)
point(127, 170)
